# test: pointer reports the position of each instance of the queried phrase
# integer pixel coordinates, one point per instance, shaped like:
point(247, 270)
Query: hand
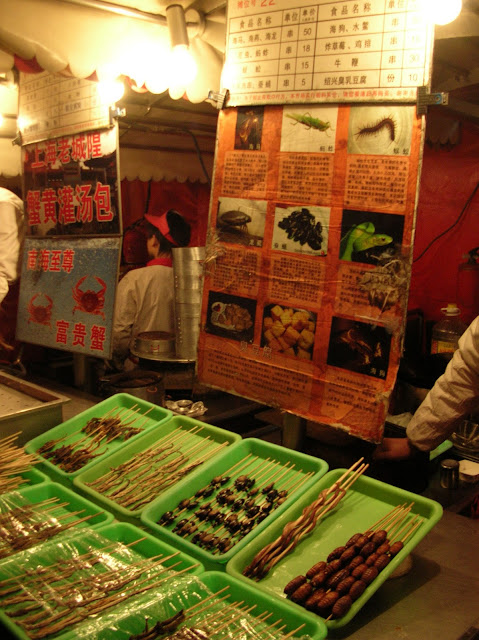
point(393, 449)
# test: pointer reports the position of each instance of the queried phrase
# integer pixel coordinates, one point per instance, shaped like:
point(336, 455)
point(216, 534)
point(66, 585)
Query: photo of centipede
point(380, 130)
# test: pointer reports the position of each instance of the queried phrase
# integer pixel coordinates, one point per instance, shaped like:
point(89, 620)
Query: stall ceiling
point(161, 125)
point(159, 121)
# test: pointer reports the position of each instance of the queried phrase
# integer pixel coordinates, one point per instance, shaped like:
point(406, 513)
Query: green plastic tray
point(364, 504)
point(70, 428)
point(264, 451)
point(146, 546)
point(72, 503)
point(281, 609)
point(32, 477)
point(215, 435)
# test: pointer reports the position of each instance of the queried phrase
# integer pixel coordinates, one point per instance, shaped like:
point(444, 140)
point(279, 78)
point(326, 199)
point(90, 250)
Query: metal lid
point(449, 464)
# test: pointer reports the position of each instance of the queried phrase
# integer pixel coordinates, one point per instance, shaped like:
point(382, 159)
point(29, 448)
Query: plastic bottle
point(446, 332)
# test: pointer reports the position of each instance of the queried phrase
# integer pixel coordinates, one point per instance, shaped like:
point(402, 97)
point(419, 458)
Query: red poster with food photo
point(305, 294)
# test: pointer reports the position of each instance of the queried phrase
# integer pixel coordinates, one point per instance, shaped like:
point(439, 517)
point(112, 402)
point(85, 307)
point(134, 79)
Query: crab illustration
point(89, 301)
point(40, 314)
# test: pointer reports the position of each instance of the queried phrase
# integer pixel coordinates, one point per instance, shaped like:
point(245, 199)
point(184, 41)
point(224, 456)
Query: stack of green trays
point(58, 505)
point(139, 413)
point(267, 463)
point(366, 502)
point(113, 546)
point(177, 437)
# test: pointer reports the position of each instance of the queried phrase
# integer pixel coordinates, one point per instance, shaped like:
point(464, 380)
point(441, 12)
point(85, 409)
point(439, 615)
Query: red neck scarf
point(164, 262)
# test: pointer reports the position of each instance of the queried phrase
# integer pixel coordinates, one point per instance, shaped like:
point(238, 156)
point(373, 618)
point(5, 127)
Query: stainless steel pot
point(147, 385)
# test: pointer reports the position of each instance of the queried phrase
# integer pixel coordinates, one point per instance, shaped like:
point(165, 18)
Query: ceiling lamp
point(182, 64)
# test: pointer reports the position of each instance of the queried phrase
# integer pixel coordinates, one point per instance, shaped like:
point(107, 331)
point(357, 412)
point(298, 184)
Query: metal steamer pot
point(147, 385)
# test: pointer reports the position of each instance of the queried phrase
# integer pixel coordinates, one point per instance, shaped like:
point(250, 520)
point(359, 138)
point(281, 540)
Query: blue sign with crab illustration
point(67, 293)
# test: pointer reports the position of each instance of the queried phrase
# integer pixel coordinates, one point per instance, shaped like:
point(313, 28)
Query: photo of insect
point(381, 130)
point(249, 126)
point(307, 120)
point(309, 128)
point(89, 301)
point(388, 124)
point(40, 314)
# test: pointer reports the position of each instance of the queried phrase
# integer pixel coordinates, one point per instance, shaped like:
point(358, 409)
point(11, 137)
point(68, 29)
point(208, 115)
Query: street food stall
point(158, 508)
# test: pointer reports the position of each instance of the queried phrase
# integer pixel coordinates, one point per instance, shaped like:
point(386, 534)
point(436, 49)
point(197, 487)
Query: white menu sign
point(51, 106)
point(323, 51)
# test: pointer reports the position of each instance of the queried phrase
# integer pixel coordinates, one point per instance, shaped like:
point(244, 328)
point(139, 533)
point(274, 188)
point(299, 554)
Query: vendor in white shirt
point(145, 296)
point(12, 233)
point(454, 396)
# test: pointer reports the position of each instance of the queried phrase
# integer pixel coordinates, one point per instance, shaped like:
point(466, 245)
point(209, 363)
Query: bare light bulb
point(441, 12)
point(183, 66)
point(110, 91)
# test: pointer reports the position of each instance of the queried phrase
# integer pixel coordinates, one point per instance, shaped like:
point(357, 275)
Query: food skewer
point(330, 586)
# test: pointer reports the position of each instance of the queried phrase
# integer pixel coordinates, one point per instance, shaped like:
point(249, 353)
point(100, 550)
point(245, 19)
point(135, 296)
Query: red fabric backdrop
point(448, 179)
point(191, 199)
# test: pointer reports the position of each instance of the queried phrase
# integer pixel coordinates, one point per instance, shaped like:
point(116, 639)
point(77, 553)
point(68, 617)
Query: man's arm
point(454, 395)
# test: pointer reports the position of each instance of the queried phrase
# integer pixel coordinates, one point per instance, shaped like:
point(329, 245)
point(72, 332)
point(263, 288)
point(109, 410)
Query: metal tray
point(27, 408)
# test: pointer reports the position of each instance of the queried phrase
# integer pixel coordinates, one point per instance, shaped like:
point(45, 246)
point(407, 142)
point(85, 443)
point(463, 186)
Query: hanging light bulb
point(183, 67)
point(110, 91)
point(441, 12)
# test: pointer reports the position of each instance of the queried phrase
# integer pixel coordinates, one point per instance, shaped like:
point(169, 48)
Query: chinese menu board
point(305, 290)
point(67, 293)
point(326, 51)
point(52, 105)
point(71, 186)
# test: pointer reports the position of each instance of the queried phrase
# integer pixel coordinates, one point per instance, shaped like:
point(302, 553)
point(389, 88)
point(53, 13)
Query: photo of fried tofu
point(289, 331)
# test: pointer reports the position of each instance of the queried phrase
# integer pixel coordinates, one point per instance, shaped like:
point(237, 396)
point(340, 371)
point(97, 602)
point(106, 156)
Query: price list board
point(277, 53)
point(52, 106)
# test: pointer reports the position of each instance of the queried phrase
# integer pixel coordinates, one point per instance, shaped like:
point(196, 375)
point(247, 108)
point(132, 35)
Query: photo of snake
point(368, 236)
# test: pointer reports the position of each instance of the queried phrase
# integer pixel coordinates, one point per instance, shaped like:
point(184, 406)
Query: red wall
point(447, 181)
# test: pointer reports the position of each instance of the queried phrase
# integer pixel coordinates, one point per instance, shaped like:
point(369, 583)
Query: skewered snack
point(135, 482)
point(13, 462)
point(295, 530)
point(216, 624)
point(77, 581)
point(24, 525)
point(238, 503)
point(99, 432)
point(334, 584)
